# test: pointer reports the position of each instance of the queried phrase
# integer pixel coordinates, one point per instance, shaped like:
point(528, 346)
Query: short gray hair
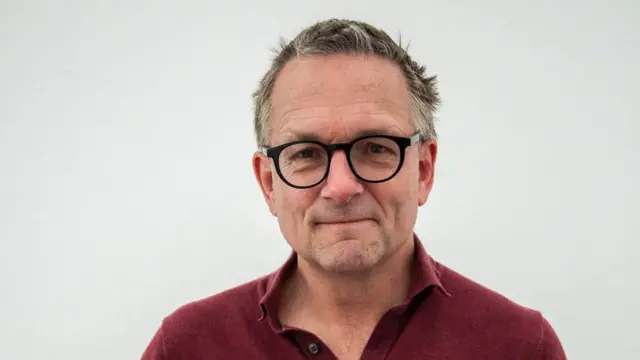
point(337, 36)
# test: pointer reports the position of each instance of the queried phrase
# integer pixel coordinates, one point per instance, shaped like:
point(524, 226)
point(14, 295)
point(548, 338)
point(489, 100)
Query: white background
point(126, 187)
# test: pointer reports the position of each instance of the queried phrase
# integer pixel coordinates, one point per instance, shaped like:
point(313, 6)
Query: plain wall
point(126, 187)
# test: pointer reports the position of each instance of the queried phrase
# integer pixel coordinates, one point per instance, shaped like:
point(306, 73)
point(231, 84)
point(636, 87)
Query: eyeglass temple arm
point(415, 138)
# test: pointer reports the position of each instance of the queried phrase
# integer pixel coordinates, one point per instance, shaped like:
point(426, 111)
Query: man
point(344, 121)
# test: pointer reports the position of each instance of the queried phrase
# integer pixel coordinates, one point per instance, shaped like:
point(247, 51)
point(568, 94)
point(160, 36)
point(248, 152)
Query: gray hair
point(336, 36)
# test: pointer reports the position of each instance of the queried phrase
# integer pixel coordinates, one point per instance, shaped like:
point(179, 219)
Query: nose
point(341, 184)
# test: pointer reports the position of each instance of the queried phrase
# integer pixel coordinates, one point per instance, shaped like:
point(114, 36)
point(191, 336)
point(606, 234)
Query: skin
point(353, 239)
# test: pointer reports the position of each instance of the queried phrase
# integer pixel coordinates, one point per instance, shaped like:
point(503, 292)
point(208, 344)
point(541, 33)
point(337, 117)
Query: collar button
point(314, 348)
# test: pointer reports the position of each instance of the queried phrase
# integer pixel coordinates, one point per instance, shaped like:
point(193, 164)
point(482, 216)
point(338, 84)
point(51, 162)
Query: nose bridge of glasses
point(341, 160)
point(332, 148)
point(345, 148)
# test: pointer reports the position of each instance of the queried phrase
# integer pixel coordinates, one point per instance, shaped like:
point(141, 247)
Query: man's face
point(344, 224)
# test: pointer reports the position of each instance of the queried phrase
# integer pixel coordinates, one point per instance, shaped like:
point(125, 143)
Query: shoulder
point(479, 302)
point(495, 317)
point(203, 328)
point(234, 308)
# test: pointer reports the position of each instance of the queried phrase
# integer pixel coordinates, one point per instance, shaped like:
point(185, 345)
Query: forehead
point(336, 97)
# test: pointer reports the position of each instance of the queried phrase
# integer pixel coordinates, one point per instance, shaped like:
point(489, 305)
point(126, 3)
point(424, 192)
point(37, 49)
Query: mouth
point(343, 222)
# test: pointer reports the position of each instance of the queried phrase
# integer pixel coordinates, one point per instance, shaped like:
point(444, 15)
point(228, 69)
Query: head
point(334, 82)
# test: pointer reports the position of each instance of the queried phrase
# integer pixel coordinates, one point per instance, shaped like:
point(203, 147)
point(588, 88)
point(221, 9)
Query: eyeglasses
point(374, 158)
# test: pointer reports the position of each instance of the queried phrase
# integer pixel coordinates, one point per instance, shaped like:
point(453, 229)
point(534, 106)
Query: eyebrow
point(302, 135)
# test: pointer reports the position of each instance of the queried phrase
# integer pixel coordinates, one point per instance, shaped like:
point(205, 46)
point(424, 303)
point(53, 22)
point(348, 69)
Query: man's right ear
point(265, 175)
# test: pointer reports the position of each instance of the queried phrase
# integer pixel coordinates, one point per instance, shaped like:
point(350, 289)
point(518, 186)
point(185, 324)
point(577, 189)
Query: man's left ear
point(426, 165)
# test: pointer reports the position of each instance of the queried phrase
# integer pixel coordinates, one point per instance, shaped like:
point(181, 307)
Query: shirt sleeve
point(155, 349)
point(549, 346)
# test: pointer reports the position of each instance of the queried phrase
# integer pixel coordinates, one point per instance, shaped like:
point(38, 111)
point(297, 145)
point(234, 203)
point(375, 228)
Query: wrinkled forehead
point(338, 97)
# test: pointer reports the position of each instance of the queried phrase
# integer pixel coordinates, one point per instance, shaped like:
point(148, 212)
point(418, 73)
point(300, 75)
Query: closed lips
point(341, 221)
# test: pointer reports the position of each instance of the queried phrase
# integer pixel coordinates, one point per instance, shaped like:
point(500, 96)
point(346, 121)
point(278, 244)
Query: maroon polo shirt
point(446, 316)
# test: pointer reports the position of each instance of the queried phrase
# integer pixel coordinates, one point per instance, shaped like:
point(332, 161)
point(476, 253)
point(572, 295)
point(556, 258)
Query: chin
point(349, 254)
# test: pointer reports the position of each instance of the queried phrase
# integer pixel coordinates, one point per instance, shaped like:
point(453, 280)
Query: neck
point(358, 296)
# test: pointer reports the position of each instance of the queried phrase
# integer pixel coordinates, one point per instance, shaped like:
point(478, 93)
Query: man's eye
point(377, 148)
point(305, 154)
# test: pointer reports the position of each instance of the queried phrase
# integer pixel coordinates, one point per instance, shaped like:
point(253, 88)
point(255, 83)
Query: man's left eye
point(376, 148)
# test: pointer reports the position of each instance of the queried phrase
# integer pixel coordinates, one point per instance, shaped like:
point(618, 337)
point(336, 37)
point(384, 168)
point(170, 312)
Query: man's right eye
point(304, 154)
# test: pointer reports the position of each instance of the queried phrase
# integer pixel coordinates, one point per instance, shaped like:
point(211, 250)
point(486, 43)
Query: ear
point(426, 165)
point(265, 175)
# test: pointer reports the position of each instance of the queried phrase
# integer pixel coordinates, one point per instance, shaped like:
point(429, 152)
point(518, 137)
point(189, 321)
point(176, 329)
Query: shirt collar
point(426, 274)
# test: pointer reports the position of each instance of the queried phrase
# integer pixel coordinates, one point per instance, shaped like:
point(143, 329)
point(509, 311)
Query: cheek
point(398, 199)
point(292, 204)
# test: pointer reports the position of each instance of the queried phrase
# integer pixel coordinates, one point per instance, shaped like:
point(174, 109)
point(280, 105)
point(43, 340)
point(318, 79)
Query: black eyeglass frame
point(402, 142)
